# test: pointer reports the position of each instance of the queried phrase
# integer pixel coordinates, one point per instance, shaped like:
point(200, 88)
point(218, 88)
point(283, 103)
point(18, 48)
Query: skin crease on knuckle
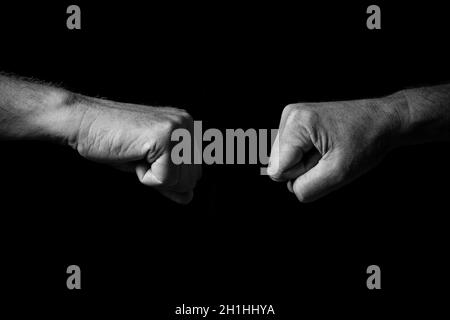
point(324, 126)
point(288, 109)
point(299, 125)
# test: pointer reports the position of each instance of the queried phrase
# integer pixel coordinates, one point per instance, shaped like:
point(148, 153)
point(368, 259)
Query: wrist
point(60, 117)
point(396, 108)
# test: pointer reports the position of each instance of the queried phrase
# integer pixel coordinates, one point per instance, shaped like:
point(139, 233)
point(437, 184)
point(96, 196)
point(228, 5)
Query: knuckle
point(184, 114)
point(307, 116)
point(171, 124)
point(168, 125)
point(181, 119)
point(289, 108)
point(301, 114)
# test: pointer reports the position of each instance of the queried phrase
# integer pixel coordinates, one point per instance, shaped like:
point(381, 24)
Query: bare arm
point(130, 137)
point(323, 146)
point(427, 114)
point(30, 110)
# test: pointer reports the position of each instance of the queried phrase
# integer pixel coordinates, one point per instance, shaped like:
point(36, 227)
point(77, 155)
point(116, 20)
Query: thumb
point(285, 157)
point(323, 178)
point(161, 173)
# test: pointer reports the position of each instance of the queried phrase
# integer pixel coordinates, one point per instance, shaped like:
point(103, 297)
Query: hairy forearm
point(130, 137)
point(30, 110)
point(425, 114)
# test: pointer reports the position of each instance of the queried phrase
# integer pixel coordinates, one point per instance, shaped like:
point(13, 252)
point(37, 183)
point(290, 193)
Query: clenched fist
point(319, 147)
point(323, 146)
point(135, 138)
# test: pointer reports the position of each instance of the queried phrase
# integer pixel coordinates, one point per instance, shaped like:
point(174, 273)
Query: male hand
point(323, 146)
point(135, 138)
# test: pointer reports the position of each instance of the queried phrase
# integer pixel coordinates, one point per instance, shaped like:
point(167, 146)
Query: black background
point(244, 239)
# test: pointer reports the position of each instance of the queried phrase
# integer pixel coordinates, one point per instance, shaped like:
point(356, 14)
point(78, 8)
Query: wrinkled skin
point(323, 146)
point(136, 138)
